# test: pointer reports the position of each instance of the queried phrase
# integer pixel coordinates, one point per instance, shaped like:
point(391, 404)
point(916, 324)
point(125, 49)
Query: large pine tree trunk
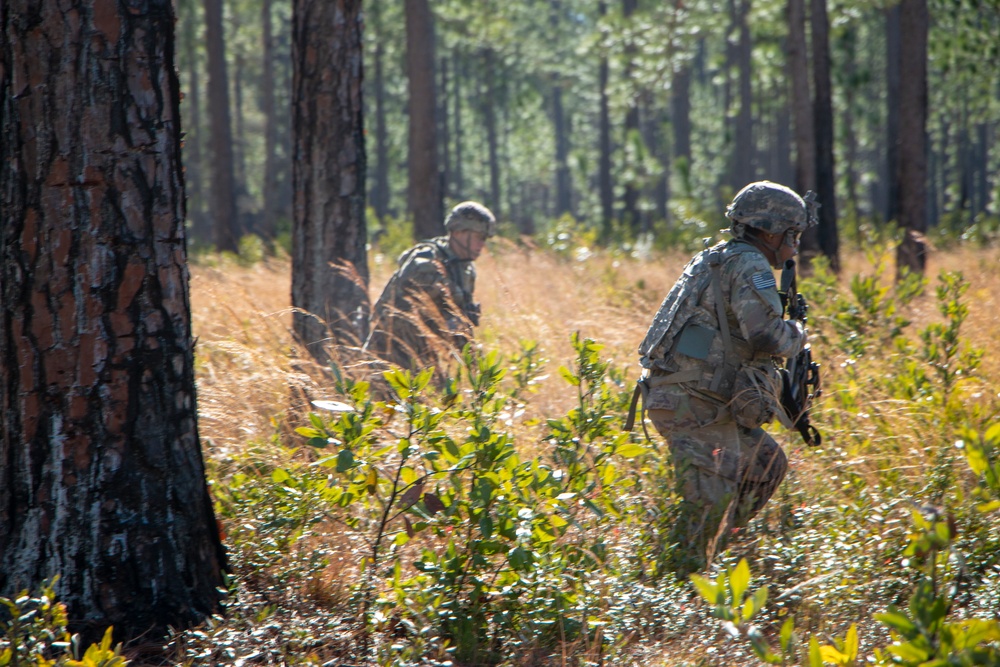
point(823, 122)
point(225, 222)
point(426, 205)
point(329, 265)
point(680, 111)
point(101, 474)
point(912, 169)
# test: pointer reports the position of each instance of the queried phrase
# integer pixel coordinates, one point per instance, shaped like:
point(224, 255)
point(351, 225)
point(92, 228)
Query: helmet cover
point(769, 207)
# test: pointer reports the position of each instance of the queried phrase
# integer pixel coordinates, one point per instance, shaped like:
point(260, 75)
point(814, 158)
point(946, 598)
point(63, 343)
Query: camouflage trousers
point(725, 473)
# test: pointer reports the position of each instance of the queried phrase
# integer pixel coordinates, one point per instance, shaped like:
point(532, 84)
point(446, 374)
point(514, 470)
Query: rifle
point(800, 384)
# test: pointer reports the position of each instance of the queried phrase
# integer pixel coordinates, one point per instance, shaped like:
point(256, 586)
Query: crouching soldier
point(710, 371)
point(427, 312)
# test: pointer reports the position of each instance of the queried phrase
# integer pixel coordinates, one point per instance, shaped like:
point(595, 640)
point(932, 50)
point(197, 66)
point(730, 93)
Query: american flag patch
point(763, 280)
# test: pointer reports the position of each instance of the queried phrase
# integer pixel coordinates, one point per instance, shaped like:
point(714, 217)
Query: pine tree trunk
point(564, 192)
point(630, 196)
point(744, 171)
point(798, 65)
point(381, 189)
point(823, 122)
point(459, 69)
point(489, 102)
point(329, 264)
point(892, 82)
point(442, 113)
point(225, 223)
point(680, 110)
point(912, 171)
point(103, 481)
point(424, 180)
point(604, 141)
point(194, 168)
point(269, 223)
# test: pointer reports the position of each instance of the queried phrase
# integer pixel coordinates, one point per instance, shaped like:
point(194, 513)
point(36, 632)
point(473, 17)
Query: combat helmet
point(471, 215)
point(770, 208)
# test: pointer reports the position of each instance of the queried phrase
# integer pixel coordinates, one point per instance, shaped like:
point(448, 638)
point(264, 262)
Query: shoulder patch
point(763, 280)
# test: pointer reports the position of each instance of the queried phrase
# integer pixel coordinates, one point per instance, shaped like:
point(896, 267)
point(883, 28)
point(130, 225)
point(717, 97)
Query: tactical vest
point(684, 328)
point(461, 273)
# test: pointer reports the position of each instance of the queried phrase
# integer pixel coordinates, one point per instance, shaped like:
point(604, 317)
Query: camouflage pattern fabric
point(725, 471)
point(426, 311)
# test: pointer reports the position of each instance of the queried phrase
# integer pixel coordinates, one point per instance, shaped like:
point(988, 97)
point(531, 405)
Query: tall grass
point(829, 546)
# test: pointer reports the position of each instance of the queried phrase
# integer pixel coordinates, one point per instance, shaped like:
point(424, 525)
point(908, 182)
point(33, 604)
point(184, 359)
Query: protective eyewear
point(792, 237)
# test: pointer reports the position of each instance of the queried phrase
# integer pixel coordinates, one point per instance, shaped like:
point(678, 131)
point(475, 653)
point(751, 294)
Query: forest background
point(507, 519)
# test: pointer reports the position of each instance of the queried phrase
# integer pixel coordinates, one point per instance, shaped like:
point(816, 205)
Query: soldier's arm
point(757, 307)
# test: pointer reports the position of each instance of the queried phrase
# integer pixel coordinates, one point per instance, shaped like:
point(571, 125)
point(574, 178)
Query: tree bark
point(225, 223)
point(744, 171)
point(680, 110)
point(823, 121)
point(798, 66)
point(630, 196)
point(604, 140)
point(426, 205)
point(459, 70)
point(381, 189)
point(564, 187)
point(892, 81)
point(101, 473)
point(194, 168)
point(269, 222)
point(489, 102)
point(912, 170)
point(329, 264)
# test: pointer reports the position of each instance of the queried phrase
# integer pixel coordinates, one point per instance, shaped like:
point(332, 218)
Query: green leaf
point(707, 588)
point(787, 635)
point(896, 620)
point(280, 476)
point(568, 375)
point(631, 450)
point(992, 434)
point(739, 580)
point(909, 652)
point(486, 526)
point(851, 643)
point(309, 432)
point(815, 655)
point(345, 460)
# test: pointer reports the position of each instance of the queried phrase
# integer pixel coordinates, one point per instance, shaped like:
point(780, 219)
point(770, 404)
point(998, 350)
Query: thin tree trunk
point(604, 141)
point(744, 171)
point(102, 480)
point(381, 190)
point(445, 138)
point(424, 179)
point(329, 175)
point(912, 172)
point(225, 222)
point(564, 193)
point(459, 73)
point(850, 136)
point(630, 197)
point(489, 102)
point(194, 166)
point(269, 222)
point(823, 119)
point(892, 82)
point(680, 105)
point(798, 65)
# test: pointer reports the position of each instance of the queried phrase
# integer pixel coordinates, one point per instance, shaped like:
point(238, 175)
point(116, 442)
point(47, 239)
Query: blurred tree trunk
point(381, 189)
point(823, 123)
point(892, 82)
point(564, 185)
point(225, 222)
point(488, 102)
point(630, 196)
point(680, 110)
point(194, 166)
point(654, 119)
point(604, 139)
point(103, 477)
point(912, 170)
point(269, 222)
point(459, 69)
point(329, 264)
point(442, 113)
point(802, 108)
point(424, 179)
point(849, 43)
point(744, 149)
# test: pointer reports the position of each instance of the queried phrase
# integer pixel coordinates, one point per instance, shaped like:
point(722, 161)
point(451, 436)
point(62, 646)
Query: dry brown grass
point(250, 371)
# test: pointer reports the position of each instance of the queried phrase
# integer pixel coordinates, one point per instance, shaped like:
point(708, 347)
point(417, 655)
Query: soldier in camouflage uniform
point(426, 310)
point(710, 378)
